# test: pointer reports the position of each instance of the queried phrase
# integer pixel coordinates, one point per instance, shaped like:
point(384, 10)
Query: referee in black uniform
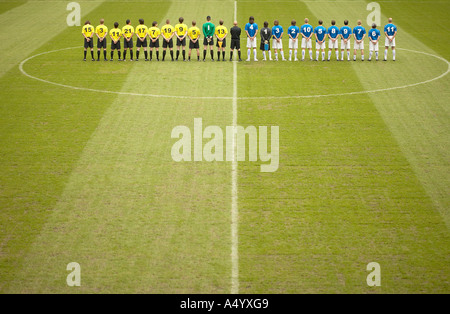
point(235, 32)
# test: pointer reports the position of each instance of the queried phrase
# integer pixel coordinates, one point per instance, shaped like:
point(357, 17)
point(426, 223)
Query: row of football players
point(220, 32)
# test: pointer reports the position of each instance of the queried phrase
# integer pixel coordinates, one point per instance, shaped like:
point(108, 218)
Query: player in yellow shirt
point(88, 33)
point(194, 37)
point(115, 34)
point(181, 31)
point(153, 34)
point(141, 32)
point(221, 35)
point(167, 31)
point(128, 32)
point(101, 31)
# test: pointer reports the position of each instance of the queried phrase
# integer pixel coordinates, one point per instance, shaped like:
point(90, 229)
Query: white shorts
point(359, 46)
point(333, 45)
point(306, 44)
point(388, 43)
point(251, 43)
point(373, 47)
point(345, 46)
point(293, 44)
point(320, 46)
point(277, 44)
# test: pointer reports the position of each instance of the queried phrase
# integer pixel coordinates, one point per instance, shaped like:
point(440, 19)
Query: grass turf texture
point(88, 177)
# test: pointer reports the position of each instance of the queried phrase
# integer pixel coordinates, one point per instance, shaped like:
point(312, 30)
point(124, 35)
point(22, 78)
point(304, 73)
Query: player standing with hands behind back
point(251, 28)
point(101, 31)
point(209, 30)
point(128, 32)
point(266, 34)
point(221, 34)
point(390, 30)
point(88, 33)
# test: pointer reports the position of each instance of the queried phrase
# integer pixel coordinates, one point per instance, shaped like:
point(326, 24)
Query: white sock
point(370, 55)
point(385, 54)
point(270, 54)
point(317, 54)
point(310, 54)
point(248, 53)
point(282, 54)
point(329, 55)
point(348, 55)
point(393, 54)
point(323, 55)
point(354, 56)
point(295, 54)
point(264, 54)
point(342, 55)
point(362, 56)
point(290, 54)
point(276, 55)
point(303, 54)
point(254, 52)
point(337, 55)
point(376, 54)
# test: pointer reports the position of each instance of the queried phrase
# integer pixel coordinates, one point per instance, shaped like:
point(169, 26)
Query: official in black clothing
point(235, 32)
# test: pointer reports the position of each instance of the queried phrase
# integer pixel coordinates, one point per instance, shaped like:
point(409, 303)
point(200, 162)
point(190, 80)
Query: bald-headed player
point(390, 30)
point(88, 33)
point(235, 32)
point(101, 31)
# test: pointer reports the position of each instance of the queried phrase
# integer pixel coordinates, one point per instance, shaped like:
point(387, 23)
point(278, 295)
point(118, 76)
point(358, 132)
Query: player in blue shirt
point(390, 30)
point(346, 33)
point(374, 36)
point(333, 35)
point(251, 28)
point(293, 32)
point(307, 31)
point(321, 34)
point(277, 43)
point(359, 33)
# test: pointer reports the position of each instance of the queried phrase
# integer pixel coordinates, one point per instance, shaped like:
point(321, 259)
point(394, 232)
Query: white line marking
point(231, 98)
point(234, 190)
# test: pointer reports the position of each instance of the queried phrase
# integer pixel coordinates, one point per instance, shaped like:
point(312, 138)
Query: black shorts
point(127, 44)
point(261, 46)
point(154, 44)
point(140, 43)
point(206, 43)
point(101, 44)
point(224, 43)
point(195, 45)
point(181, 42)
point(235, 44)
point(115, 46)
point(168, 44)
point(88, 44)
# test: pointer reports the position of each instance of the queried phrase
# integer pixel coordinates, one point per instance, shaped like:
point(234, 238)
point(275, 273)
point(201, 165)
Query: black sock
point(204, 54)
point(120, 54)
point(85, 53)
point(239, 53)
point(112, 54)
point(124, 54)
point(184, 54)
point(157, 54)
point(231, 55)
point(137, 55)
point(146, 55)
point(223, 55)
point(98, 54)
point(104, 54)
point(212, 54)
point(151, 54)
point(178, 54)
point(164, 54)
point(218, 55)
point(92, 54)
point(171, 54)
point(198, 57)
point(131, 54)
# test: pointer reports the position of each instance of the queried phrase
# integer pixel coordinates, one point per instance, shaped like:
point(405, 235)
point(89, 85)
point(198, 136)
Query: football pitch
point(87, 174)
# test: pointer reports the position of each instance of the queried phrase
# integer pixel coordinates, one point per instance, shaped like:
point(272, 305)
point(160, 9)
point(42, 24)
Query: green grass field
point(86, 173)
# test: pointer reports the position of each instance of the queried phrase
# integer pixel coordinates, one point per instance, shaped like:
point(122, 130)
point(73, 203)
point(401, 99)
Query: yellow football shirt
point(128, 31)
point(101, 30)
point(167, 31)
point(154, 32)
point(194, 32)
point(142, 31)
point(88, 30)
point(181, 29)
point(221, 31)
point(115, 33)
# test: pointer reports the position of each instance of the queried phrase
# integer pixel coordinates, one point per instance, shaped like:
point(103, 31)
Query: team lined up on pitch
point(209, 31)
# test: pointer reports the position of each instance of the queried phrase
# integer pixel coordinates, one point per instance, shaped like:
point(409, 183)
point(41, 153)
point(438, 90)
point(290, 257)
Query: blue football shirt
point(345, 32)
point(320, 32)
point(251, 29)
point(293, 31)
point(277, 31)
point(306, 30)
point(390, 29)
point(374, 34)
point(359, 32)
point(333, 31)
